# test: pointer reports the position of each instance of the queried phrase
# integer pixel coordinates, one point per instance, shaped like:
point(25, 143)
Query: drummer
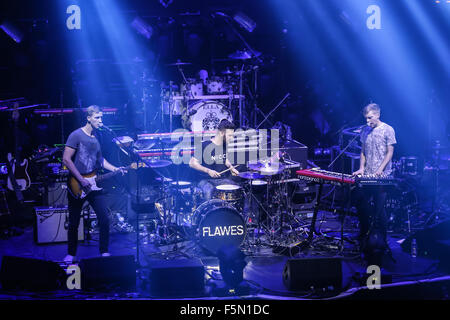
point(210, 159)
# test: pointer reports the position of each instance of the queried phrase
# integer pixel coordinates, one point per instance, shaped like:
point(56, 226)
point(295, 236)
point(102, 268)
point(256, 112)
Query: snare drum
point(228, 192)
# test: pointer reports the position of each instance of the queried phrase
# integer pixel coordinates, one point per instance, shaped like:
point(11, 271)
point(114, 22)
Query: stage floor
point(263, 271)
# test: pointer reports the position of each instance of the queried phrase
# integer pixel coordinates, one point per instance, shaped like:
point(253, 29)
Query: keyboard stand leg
point(312, 228)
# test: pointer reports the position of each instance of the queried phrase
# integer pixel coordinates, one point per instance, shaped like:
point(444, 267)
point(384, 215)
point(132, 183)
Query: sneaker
point(69, 259)
point(106, 254)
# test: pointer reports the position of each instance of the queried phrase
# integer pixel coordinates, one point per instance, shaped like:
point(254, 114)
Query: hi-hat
point(250, 175)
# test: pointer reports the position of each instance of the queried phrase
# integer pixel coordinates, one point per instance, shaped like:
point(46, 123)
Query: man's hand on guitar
point(85, 184)
point(122, 170)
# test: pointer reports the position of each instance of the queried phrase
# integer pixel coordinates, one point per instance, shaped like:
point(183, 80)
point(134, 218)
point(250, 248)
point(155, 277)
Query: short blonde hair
point(371, 107)
point(93, 109)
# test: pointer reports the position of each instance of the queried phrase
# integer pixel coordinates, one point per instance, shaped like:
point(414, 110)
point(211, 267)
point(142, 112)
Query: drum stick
point(229, 169)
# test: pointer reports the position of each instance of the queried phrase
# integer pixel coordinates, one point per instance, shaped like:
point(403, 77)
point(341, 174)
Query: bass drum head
point(219, 224)
point(205, 116)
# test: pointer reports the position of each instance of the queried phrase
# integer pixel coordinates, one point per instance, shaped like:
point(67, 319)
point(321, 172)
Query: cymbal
point(179, 63)
point(228, 71)
point(250, 175)
point(244, 55)
point(265, 167)
point(268, 171)
point(158, 163)
point(181, 184)
point(164, 179)
point(124, 140)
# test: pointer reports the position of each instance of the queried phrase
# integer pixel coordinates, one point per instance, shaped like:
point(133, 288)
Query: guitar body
point(77, 191)
point(20, 174)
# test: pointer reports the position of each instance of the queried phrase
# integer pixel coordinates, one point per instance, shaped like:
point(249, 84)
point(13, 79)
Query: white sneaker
point(106, 254)
point(69, 259)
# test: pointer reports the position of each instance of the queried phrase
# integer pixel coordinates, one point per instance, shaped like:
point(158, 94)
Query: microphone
point(105, 127)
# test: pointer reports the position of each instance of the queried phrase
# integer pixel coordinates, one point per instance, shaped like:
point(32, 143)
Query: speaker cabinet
point(313, 273)
point(18, 273)
point(51, 225)
point(115, 273)
point(177, 278)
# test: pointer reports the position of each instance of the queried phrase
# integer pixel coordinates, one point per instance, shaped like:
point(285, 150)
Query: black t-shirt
point(212, 157)
point(88, 155)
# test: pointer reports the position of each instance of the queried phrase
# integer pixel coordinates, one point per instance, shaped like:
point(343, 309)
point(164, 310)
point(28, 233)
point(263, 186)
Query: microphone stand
point(133, 155)
point(347, 211)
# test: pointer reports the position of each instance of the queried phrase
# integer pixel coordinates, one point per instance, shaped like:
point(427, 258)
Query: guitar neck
point(108, 175)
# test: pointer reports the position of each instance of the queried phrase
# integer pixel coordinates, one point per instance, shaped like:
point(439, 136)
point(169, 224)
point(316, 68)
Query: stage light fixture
point(12, 31)
point(245, 22)
point(142, 27)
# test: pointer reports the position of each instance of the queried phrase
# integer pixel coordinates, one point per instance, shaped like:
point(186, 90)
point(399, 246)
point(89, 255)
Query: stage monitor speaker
point(432, 242)
point(313, 273)
point(177, 278)
point(30, 274)
point(52, 223)
point(116, 273)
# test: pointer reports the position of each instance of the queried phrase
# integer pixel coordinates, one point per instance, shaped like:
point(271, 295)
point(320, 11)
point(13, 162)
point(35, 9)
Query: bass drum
point(205, 116)
point(218, 224)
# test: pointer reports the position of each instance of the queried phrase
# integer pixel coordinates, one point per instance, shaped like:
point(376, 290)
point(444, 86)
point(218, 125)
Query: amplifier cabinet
point(51, 225)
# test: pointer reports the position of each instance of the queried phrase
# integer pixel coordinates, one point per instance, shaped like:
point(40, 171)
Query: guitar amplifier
point(51, 225)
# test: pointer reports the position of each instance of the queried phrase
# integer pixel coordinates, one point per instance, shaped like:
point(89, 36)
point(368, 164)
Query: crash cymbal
point(268, 171)
point(179, 63)
point(250, 175)
point(244, 55)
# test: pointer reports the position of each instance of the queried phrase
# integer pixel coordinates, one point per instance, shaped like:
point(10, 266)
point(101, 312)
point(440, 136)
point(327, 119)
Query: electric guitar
point(18, 178)
point(78, 192)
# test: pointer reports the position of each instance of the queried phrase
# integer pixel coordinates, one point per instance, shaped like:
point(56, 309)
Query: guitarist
point(82, 155)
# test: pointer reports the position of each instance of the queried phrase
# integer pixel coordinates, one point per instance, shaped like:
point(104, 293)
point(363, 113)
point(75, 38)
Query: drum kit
point(254, 201)
point(202, 102)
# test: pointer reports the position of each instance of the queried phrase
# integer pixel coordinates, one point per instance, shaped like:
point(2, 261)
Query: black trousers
point(369, 202)
point(98, 201)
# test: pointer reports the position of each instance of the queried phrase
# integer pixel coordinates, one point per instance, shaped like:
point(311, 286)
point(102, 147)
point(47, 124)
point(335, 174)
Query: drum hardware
point(228, 192)
point(205, 116)
point(251, 176)
point(409, 166)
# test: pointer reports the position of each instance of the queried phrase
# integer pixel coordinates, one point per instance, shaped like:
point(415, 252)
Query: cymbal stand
point(273, 110)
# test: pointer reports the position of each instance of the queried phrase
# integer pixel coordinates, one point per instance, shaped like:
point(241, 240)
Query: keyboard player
point(378, 140)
